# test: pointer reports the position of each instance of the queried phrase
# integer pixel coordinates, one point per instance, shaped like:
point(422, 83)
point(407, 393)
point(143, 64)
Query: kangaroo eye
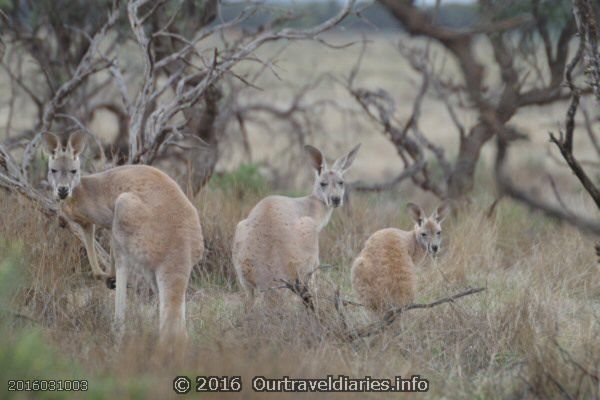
point(324, 184)
point(438, 233)
point(53, 171)
point(73, 171)
point(341, 183)
point(423, 234)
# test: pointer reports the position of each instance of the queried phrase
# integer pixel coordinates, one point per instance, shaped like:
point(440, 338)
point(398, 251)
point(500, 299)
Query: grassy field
point(533, 333)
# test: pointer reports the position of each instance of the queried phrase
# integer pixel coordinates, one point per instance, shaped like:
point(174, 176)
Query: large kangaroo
point(280, 237)
point(154, 227)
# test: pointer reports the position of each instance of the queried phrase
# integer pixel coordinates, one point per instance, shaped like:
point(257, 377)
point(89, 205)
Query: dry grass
point(532, 334)
point(542, 293)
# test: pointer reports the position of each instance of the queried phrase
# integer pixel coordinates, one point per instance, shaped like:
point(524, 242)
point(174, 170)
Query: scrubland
point(533, 333)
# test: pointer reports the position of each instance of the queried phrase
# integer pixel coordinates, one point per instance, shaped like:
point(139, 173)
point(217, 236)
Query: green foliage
point(554, 12)
point(311, 13)
point(34, 15)
point(10, 278)
point(314, 14)
point(457, 16)
point(246, 179)
point(25, 354)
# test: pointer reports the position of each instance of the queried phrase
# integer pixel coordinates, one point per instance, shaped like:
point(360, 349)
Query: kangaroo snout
point(435, 248)
point(62, 192)
point(336, 201)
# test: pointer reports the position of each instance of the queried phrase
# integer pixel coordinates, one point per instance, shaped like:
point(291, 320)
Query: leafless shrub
point(586, 25)
point(309, 298)
point(175, 112)
point(495, 105)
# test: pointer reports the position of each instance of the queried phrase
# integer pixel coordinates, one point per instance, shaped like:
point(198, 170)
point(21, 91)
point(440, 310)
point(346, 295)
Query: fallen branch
point(391, 315)
point(301, 289)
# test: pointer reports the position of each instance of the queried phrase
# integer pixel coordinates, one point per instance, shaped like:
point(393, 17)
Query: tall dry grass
point(532, 334)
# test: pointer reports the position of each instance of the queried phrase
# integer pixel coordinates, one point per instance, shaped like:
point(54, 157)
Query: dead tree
point(176, 95)
point(14, 176)
point(519, 88)
point(410, 143)
point(152, 125)
point(587, 54)
point(53, 37)
point(495, 105)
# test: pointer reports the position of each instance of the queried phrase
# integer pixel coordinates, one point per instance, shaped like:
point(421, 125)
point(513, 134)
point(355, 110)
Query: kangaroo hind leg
point(172, 282)
point(126, 230)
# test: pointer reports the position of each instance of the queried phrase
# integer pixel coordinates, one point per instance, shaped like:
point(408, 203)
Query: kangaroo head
point(64, 167)
point(428, 230)
point(329, 182)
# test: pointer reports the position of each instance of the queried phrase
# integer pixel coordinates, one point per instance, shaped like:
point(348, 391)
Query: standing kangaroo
point(154, 227)
point(280, 237)
point(383, 272)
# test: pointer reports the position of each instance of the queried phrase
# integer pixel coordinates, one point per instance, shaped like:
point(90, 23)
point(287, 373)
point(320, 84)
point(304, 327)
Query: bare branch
point(494, 112)
point(506, 186)
point(150, 118)
point(588, 31)
point(565, 142)
point(85, 68)
point(391, 315)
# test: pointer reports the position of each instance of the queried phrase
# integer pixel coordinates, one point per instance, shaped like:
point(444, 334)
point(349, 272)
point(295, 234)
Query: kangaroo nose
point(435, 248)
point(63, 192)
point(336, 201)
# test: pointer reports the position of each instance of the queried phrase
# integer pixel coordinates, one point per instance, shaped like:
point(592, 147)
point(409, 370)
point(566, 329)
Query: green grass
point(243, 181)
point(26, 354)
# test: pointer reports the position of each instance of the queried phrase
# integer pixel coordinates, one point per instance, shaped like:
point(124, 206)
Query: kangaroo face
point(329, 182)
point(63, 173)
point(429, 235)
point(428, 230)
point(329, 187)
point(64, 165)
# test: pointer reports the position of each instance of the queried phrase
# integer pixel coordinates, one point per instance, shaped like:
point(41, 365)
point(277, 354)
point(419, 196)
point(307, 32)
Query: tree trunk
point(462, 178)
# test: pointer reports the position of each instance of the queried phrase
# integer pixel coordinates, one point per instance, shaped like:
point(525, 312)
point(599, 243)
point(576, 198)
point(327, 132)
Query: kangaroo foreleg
point(88, 235)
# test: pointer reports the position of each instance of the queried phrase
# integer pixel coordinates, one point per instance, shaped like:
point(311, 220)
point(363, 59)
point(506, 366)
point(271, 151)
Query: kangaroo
point(154, 228)
point(383, 273)
point(280, 237)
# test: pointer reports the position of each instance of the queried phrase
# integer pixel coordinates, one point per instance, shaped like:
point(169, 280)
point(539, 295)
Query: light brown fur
point(279, 240)
point(383, 273)
point(155, 230)
point(280, 237)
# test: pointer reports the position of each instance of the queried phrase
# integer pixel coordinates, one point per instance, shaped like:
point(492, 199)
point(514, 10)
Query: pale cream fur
point(280, 237)
point(154, 228)
point(383, 274)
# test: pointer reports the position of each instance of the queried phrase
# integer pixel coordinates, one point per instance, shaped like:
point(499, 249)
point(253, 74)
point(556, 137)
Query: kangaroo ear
point(77, 143)
point(442, 212)
point(343, 163)
point(416, 213)
point(50, 143)
point(316, 158)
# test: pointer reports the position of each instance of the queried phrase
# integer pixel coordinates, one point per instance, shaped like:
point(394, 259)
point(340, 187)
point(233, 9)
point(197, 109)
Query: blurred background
point(287, 92)
point(491, 105)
